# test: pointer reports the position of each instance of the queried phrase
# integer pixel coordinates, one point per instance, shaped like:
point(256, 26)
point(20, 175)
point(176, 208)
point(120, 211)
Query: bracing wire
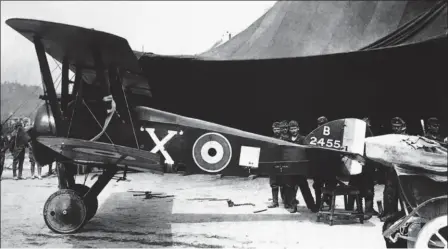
point(93, 115)
point(130, 118)
point(23, 103)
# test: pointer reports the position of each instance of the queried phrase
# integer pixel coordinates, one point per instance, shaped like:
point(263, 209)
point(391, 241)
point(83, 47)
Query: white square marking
point(249, 156)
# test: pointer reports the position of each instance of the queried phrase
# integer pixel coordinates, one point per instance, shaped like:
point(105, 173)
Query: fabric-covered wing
point(410, 155)
point(96, 153)
point(77, 43)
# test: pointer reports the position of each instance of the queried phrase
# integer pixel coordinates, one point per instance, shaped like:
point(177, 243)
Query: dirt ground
point(124, 220)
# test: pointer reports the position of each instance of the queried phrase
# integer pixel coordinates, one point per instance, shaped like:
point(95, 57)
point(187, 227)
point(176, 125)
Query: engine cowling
point(44, 125)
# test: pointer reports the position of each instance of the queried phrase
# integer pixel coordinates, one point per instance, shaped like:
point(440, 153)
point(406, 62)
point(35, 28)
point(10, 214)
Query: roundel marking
point(212, 152)
point(104, 153)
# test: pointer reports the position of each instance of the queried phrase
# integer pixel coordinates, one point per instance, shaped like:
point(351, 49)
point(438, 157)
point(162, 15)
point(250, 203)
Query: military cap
point(293, 123)
point(322, 120)
point(276, 125)
point(433, 121)
point(397, 121)
point(284, 124)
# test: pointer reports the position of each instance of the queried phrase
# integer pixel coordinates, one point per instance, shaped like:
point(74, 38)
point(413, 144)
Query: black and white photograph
point(224, 124)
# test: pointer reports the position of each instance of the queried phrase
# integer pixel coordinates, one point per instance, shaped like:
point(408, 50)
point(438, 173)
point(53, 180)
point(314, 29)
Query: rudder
point(342, 134)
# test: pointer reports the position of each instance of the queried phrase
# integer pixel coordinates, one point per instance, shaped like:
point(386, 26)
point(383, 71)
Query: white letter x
point(160, 144)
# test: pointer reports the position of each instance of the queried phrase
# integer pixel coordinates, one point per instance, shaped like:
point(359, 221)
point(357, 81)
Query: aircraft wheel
point(92, 205)
point(433, 234)
point(65, 211)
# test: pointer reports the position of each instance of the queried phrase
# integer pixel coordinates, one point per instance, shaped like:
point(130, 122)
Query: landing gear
point(69, 209)
point(91, 204)
point(65, 211)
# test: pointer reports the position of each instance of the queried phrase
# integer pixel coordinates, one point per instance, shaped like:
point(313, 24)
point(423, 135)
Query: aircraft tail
point(342, 134)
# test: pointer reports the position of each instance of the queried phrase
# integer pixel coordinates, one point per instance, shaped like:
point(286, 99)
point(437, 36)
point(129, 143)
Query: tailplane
point(343, 134)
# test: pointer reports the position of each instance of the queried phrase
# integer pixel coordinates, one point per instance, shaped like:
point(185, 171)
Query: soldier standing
point(3, 148)
point(391, 193)
point(299, 181)
point(284, 130)
point(433, 130)
point(19, 141)
point(285, 137)
point(33, 163)
point(273, 178)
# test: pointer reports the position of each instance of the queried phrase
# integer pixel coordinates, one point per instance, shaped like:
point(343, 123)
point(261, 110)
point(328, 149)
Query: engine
point(44, 125)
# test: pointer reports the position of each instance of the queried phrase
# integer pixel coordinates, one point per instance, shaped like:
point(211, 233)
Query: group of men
point(391, 187)
point(288, 185)
point(17, 144)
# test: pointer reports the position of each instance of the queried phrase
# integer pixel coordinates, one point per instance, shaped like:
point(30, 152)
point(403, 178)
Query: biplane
point(98, 125)
point(104, 119)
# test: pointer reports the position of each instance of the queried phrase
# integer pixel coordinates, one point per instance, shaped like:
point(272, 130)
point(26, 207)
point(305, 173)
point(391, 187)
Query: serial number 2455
point(331, 143)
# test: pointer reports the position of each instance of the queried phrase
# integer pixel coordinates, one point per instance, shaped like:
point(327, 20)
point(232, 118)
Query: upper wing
point(76, 45)
point(86, 152)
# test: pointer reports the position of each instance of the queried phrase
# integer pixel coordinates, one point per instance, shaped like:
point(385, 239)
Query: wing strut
point(65, 82)
point(48, 81)
point(76, 94)
point(129, 113)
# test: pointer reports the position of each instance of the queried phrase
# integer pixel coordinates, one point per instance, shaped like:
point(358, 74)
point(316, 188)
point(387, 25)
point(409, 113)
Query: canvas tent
point(302, 60)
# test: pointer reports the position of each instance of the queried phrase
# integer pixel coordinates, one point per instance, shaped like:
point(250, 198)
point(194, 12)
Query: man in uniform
point(275, 180)
point(33, 163)
point(320, 182)
point(276, 130)
point(433, 130)
point(19, 141)
point(391, 192)
point(299, 181)
point(284, 135)
point(3, 148)
point(284, 130)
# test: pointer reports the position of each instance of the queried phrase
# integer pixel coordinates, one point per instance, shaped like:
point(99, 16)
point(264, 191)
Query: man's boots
point(290, 200)
point(296, 202)
point(368, 213)
point(282, 194)
point(274, 203)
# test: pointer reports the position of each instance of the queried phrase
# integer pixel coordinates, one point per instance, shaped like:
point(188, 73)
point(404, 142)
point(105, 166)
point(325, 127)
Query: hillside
point(15, 95)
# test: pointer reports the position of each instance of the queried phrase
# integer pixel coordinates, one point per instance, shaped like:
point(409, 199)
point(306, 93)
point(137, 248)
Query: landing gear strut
point(70, 208)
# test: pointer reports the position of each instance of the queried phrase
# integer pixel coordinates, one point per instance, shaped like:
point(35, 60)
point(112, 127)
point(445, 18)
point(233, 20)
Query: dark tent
point(391, 64)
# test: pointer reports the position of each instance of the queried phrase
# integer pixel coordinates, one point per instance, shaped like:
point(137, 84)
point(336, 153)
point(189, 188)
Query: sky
point(160, 27)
